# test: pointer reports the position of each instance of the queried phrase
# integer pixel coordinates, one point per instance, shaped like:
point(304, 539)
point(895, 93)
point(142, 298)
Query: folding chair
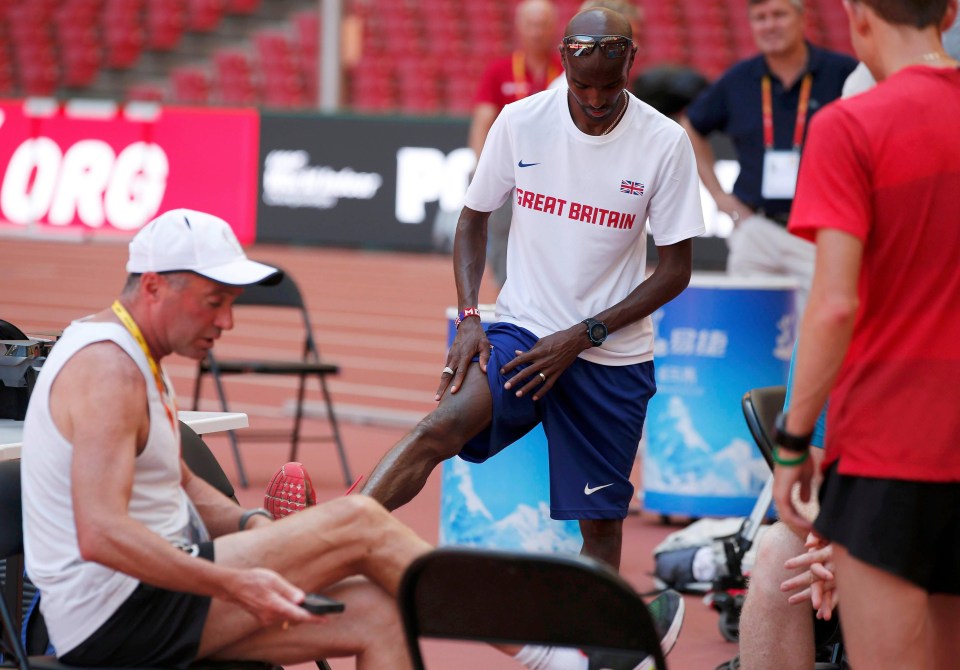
point(518, 598)
point(203, 463)
point(283, 295)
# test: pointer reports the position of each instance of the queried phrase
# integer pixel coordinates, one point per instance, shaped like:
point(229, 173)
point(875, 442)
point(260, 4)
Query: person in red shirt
point(879, 192)
point(529, 69)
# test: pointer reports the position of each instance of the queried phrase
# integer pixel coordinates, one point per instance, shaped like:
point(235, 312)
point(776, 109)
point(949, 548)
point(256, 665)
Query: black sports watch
point(789, 440)
point(596, 331)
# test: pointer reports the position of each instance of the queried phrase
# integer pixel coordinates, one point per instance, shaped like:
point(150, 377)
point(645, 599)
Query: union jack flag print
point(631, 187)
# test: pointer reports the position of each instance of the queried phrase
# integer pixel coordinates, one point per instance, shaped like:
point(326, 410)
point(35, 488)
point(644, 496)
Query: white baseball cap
point(184, 240)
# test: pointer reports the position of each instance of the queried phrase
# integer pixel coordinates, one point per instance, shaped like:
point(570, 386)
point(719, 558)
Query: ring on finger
point(447, 371)
point(543, 378)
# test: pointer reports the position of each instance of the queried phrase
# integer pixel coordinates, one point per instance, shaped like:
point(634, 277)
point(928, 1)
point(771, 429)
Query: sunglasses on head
point(611, 46)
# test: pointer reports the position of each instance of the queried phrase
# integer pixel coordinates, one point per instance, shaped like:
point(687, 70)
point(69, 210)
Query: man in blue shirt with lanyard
point(763, 105)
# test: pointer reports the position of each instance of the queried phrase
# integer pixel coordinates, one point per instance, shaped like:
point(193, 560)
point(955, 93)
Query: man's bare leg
point(315, 549)
point(774, 633)
point(368, 629)
point(402, 473)
point(885, 617)
point(602, 540)
point(944, 631)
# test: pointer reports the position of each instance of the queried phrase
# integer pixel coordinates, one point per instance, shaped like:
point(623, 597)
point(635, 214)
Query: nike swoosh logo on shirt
point(590, 491)
point(522, 164)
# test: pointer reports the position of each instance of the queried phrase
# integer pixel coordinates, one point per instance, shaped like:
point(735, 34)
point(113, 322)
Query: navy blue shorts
point(592, 417)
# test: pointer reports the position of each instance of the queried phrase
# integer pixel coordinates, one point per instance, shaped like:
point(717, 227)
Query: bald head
point(536, 25)
point(599, 21)
point(536, 8)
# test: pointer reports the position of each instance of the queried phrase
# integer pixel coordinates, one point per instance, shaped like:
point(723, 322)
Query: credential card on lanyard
point(780, 169)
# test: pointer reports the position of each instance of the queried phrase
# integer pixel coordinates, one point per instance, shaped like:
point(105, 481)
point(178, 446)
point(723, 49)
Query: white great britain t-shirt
point(578, 243)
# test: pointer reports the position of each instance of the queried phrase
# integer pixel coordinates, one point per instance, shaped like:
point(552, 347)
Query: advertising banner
point(95, 168)
point(719, 338)
point(373, 182)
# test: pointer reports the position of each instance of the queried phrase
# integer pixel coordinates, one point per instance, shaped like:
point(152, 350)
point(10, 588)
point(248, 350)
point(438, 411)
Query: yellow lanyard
point(522, 87)
point(158, 377)
point(802, 105)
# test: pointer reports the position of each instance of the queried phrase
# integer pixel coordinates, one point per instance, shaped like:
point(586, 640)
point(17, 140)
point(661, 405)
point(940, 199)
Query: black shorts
point(153, 628)
point(910, 529)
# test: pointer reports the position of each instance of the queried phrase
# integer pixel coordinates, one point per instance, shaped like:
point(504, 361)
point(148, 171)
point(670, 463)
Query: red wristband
point(469, 311)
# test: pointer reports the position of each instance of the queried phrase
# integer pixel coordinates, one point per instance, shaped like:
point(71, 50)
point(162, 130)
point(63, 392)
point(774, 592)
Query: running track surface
point(381, 317)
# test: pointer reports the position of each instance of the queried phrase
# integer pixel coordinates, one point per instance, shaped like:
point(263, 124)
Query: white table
point(11, 432)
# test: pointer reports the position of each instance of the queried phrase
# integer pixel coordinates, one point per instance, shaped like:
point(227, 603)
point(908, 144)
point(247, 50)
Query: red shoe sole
point(289, 491)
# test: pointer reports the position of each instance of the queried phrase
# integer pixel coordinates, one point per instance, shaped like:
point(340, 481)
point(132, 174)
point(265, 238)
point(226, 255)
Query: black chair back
point(760, 408)
point(11, 548)
point(202, 462)
point(8, 331)
point(11, 510)
point(516, 598)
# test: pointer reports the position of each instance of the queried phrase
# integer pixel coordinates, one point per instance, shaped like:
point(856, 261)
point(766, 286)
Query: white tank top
point(78, 596)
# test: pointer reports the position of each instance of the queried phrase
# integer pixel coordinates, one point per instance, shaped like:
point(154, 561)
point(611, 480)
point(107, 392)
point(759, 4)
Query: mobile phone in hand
point(318, 604)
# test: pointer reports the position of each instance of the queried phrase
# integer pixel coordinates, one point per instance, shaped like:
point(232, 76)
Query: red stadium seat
point(81, 65)
point(371, 88)
point(79, 13)
point(711, 61)
point(166, 21)
point(244, 7)
point(39, 79)
point(306, 25)
point(666, 46)
point(280, 72)
point(76, 30)
point(657, 14)
point(123, 37)
point(204, 15)
point(458, 83)
point(191, 85)
point(234, 78)
point(418, 88)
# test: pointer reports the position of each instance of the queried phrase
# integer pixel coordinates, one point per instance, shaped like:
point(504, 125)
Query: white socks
point(552, 658)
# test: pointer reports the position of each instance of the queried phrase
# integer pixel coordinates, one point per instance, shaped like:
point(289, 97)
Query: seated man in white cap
point(139, 562)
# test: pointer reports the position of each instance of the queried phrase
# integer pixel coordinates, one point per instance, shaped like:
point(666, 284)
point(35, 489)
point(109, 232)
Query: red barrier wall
point(108, 171)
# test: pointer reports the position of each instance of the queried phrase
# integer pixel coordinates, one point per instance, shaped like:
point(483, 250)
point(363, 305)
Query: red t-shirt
point(884, 166)
point(509, 79)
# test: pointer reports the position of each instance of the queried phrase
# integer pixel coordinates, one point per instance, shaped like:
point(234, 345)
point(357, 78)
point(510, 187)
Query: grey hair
point(177, 279)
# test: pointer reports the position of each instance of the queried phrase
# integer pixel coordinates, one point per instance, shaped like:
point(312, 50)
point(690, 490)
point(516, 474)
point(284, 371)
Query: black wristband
point(250, 513)
point(787, 440)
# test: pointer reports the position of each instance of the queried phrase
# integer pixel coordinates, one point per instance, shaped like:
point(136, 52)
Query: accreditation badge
point(780, 169)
